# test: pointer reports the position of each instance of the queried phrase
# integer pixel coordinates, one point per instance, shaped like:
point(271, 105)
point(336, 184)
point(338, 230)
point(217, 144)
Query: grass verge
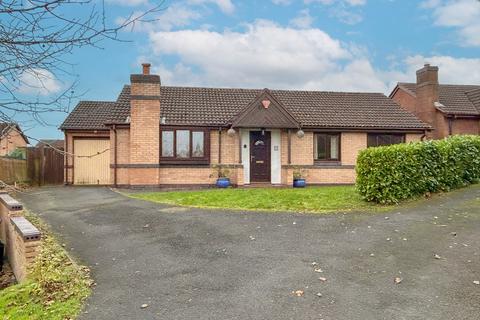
point(56, 289)
point(311, 199)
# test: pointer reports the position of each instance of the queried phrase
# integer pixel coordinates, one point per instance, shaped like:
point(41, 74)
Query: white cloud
point(303, 20)
point(38, 82)
point(226, 6)
point(451, 70)
point(464, 15)
point(265, 55)
point(269, 55)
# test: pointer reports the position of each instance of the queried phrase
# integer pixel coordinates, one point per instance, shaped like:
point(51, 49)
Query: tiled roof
point(50, 142)
point(90, 115)
point(456, 99)
point(218, 106)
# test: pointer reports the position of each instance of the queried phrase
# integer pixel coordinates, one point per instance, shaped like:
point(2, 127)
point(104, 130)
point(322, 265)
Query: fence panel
point(45, 166)
point(13, 170)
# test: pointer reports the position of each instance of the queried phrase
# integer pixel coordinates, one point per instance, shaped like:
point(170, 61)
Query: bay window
point(184, 145)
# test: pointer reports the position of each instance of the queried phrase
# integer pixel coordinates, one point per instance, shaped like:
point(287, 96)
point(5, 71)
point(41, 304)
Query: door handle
point(252, 158)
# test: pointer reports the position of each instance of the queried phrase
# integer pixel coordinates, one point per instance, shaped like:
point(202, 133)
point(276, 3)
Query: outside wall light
point(300, 133)
point(231, 132)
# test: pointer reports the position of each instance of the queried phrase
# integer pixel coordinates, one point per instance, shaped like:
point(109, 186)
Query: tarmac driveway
point(211, 264)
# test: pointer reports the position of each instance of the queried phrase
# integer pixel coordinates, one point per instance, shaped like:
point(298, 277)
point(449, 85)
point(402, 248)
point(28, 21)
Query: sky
point(332, 45)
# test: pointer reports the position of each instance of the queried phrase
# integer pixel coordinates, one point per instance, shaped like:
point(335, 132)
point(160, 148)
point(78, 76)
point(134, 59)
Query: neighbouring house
point(449, 109)
point(50, 143)
point(155, 135)
point(11, 138)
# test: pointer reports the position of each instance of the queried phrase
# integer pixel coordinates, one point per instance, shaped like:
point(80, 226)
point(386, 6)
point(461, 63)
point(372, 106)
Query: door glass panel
point(167, 143)
point(183, 143)
point(259, 143)
point(197, 144)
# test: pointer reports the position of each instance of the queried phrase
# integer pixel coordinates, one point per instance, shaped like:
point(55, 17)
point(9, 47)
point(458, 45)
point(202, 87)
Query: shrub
point(394, 173)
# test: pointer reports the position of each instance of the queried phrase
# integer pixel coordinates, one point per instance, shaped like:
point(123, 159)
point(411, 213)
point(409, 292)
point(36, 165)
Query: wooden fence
point(13, 170)
point(43, 166)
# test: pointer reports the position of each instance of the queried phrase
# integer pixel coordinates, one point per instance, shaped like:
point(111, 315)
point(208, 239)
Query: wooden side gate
point(45, 166)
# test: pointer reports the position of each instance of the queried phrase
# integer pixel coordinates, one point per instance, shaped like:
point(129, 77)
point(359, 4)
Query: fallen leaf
point(437, 256)
point(319, 294)
point(298, 293)
point(318, 270)
point(476, 282)
point(146, 226)
point(144, 306)
point(322, 279)
point(314, 264)
point(397, 280)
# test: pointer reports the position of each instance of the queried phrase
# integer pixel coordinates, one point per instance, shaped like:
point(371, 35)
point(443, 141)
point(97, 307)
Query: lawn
point(311, 199)
point(56, 289)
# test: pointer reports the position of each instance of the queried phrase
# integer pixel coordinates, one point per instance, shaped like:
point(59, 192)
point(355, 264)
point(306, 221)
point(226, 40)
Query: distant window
point(327, 146)
point(384, 139)
point(184, 145)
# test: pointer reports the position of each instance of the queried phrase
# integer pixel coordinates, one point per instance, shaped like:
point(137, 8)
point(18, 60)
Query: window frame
point(328, 151)
point(377, 134)
point(190, 159)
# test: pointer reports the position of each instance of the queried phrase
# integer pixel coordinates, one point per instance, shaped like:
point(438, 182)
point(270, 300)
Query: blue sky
point(335, 45)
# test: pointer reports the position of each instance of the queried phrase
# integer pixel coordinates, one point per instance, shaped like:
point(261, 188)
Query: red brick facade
point(422, 103)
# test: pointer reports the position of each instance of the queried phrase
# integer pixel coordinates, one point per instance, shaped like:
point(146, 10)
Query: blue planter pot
point(299, 183)
point(223, 183)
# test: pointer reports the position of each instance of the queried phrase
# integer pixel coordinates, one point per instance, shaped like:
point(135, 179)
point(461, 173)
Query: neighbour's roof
point(456, 99)
point(5, 127)
point(50, 142)
point(192, 106)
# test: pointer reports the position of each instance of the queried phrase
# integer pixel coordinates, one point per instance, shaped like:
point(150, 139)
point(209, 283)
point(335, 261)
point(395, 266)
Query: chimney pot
point(146, 68)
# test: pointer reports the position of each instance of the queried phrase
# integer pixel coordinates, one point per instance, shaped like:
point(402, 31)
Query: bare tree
point(36, 37)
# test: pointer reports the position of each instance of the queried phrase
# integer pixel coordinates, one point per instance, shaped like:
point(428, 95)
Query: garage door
point(92, 161)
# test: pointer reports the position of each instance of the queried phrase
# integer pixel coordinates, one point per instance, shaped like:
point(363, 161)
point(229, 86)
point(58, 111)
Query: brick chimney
point(144, 126)
point(427, 94)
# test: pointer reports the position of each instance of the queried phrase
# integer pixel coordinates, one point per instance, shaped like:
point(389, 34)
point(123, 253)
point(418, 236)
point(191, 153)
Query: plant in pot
point(299, 177)
point(223, 176)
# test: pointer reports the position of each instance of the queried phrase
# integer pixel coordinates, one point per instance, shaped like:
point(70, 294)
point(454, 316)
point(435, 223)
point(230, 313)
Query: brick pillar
point(427, 95)
point(144, 127)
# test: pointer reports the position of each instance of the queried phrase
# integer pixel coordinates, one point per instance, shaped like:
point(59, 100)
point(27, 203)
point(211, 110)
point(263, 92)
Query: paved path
point(206, 264)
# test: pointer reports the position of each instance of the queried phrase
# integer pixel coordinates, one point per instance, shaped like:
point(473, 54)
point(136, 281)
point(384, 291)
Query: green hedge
point(394, 173)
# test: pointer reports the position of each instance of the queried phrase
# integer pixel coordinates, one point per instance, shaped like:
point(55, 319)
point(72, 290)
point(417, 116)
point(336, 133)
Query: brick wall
point(144, 129)
point(413, 137)
point(466, 126)
point(22, 240)
point(406, 100)
point(11, 141)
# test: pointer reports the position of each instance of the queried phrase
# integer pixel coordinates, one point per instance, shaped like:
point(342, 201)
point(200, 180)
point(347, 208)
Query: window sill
point(184, 162)
point(327, 163)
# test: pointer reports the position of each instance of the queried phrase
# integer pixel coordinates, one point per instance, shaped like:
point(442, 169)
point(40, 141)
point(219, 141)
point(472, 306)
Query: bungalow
point(449, 109)
point(155, 135)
